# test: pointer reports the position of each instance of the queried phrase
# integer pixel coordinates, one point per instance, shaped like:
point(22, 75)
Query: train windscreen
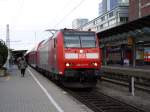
point(72, 41)
point(80, 40)
point(88, 41)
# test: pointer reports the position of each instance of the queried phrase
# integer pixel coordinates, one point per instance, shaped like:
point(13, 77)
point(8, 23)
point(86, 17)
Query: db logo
point(82, 55)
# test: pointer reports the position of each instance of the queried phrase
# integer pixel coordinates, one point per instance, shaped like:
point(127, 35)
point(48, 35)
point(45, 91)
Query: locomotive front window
point(72, 41)
point(79, 40)
point(88, 41)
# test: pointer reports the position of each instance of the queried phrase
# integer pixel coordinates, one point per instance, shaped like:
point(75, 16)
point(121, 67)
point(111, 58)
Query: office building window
point(103, 18)
point(123, 19)
point(105, 24)
point(111, 22)
point(110, 14)
point(94, 22)
point(101, 26)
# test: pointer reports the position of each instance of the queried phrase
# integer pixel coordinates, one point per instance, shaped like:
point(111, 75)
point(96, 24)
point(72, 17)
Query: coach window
point(123, 19)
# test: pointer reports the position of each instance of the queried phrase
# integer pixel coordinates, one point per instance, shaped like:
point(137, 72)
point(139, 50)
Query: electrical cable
point(69, 13)
point(63, 8)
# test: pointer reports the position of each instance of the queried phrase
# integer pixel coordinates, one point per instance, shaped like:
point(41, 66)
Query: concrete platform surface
point(137, 72)
point(34, 93)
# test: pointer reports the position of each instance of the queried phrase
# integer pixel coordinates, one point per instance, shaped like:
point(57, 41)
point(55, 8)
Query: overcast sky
point(29, 18)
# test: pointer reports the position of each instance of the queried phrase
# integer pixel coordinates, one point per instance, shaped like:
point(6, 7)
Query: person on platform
point(22, 66)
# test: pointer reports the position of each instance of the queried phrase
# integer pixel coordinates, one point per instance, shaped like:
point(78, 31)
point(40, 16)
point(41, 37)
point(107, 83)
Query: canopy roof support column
point(104, 56)
point(134, 53)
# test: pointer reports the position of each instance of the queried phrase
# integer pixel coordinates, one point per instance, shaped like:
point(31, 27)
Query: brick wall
point(134, 9)
point(145, 7)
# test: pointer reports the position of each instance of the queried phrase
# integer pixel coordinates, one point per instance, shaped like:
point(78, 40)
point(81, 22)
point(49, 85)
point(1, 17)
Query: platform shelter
point(127, 44)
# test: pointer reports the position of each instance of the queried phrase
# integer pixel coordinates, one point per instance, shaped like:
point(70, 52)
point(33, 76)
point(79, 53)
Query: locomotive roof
point(68, 31)
point(74, 30)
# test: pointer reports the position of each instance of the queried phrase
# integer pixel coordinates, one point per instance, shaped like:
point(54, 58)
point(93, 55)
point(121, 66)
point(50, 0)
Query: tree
point(3, 53)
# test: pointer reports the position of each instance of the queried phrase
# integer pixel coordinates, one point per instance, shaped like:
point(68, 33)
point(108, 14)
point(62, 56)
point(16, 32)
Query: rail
point(99, 102)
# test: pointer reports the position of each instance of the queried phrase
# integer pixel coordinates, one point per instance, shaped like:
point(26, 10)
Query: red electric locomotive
point(72, 57)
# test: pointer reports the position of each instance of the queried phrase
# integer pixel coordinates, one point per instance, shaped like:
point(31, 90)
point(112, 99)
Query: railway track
point(99, 102)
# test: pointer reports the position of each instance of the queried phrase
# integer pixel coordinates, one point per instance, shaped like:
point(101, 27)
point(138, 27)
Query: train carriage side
point(47, 59)
point(31, 57)
point(42, 56)
point(55, 44)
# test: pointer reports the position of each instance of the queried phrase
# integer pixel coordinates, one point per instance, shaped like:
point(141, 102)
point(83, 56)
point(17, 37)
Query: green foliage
point(3, 53)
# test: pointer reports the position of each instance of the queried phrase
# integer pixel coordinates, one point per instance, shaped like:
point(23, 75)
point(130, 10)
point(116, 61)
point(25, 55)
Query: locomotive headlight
point(95, 64)
point(67, 64)
point(81, 51)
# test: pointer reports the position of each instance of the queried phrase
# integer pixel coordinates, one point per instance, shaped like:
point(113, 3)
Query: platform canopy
point(18, 53)
point(138, 30)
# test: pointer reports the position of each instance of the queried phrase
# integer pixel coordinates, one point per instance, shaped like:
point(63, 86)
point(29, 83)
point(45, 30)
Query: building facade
point(113, 13)
point(138, 9)
point(112, 18)
point(100, 9)
point(124, 44)
point(113, 4)
point(108, 5)
point(79, 23)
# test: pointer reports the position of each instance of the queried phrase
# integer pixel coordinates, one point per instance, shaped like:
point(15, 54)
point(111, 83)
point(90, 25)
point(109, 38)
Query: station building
point(124, 42)
point(112, 16)
point(127, 44)
point(138, 9)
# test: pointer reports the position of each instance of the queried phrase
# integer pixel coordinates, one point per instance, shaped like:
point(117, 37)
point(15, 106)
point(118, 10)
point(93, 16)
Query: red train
point(147, 55)
point(70, 56)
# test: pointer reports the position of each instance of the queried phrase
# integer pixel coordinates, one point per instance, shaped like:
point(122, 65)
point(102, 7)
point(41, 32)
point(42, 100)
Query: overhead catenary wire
point(63, 8)
point(73, 9)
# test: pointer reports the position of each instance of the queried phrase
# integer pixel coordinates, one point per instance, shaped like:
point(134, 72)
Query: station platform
point(138, 71)
point(34, 93)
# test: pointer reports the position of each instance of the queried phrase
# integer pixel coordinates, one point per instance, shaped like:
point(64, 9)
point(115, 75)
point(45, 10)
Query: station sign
point(130, 40)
